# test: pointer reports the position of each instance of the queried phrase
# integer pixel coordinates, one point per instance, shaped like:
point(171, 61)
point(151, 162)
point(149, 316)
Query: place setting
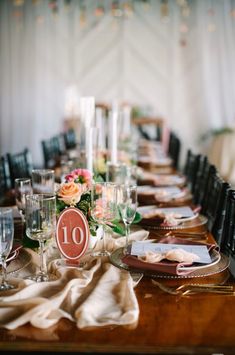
point(168, 195)
point(170, 218)
point(161, 180)
point(171, 258)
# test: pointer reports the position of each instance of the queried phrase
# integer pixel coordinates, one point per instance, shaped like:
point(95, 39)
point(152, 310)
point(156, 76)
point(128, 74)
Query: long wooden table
point(198, 324)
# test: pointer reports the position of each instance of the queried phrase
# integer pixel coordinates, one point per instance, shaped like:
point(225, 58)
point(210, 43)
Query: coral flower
point(70, 193)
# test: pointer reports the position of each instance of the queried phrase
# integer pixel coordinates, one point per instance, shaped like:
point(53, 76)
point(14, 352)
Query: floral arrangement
point(76, 191)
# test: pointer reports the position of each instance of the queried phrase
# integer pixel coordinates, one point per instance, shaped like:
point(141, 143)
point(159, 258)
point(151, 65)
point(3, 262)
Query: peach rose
point(70, 193)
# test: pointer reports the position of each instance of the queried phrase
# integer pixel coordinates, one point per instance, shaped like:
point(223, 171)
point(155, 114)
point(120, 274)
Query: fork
point(167, 289)
point(210, 290)
point(188, 289)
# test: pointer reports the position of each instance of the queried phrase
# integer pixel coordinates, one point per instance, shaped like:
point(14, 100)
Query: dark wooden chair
point(191, 168)
point(227, 244)
point(6, 194)
point(201, 181)
point(211, 173)
point(20, 165)
point(216, 205)
point(53, 151)
point(70, 139)
point(174, 149)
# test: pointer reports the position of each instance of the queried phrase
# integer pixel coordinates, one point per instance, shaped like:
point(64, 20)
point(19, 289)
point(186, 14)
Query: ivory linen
point(96, 294)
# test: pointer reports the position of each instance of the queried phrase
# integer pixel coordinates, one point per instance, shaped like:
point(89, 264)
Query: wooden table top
point(168, 324)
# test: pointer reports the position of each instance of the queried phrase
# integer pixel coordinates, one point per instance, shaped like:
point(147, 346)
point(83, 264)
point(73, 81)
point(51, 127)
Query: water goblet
point(116, 173)
point(6, 242)
point(103, 209)
point(43, 181)
point(41, 226)
point(23, 187)
point(127, 204)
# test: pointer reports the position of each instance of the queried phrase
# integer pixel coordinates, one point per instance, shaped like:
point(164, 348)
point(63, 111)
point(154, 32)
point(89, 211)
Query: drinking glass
point(116, 173)
point(127, 204)
point(43, 181)
point(41, 226)
point(23, 187)
point(103, 209)
point(6, 241)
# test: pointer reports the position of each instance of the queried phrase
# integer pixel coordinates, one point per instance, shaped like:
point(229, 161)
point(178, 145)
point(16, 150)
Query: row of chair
point(56, 148)
point(20, 164)
point(216, 199)
point(13, 166)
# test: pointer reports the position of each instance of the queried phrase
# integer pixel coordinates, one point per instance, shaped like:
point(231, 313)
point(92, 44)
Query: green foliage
point(29, 243)
point(216, 132)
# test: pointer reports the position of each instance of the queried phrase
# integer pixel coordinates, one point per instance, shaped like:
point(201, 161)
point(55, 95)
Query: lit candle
point(100, 125)
point(87, 116)
point(113, 137)
point(126, 120)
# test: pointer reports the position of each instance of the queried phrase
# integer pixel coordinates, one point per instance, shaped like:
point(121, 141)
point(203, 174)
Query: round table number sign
point(72, 234)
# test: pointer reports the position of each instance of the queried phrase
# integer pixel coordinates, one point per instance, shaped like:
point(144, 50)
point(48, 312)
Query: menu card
point(184, 211)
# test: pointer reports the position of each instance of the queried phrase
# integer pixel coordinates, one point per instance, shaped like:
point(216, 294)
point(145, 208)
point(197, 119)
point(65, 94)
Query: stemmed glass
point(43, 181)
point(103, 209)
point(23, 187)
point(6, 242)
point(41, 226)
point(127, 204)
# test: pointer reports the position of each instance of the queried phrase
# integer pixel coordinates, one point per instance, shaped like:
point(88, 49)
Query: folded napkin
point(14, 252)
point(166, 267)
point(96, 294)
point(158, 217)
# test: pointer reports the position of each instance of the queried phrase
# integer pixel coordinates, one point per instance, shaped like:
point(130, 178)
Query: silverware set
point(191, 289)
point(196, 236)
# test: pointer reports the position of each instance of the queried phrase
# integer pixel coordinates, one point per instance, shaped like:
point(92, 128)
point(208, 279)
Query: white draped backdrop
point(182, 68)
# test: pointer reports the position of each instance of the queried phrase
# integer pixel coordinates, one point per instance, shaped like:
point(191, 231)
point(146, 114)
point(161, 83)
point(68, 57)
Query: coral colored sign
point(72, 233)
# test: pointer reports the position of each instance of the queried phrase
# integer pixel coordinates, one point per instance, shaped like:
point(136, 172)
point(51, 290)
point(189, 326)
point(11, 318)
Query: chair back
point(20, 165)
point(174, 149)
point(227, 244)
point(53, 149)
point(5, 182)
point(215, 206)
point(191, 169)
point(70, 139)
point(201, 180)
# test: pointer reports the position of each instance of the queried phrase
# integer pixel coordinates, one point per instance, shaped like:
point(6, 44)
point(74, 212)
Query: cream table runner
point(97, 294)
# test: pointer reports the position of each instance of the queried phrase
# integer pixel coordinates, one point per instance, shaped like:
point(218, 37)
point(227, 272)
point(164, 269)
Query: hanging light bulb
point(232, 13)
point(164, 11)
point(115, 9)
point(128, 9)
point(184, 28)
point(18, 2)
point(99, 10)
point(211, 27)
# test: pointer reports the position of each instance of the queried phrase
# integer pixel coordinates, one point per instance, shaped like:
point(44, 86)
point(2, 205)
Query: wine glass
point(43, 181)
point(103, 209)
point(6, 242)
point(23, 187)
point(127, 204)
point(40, 226)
